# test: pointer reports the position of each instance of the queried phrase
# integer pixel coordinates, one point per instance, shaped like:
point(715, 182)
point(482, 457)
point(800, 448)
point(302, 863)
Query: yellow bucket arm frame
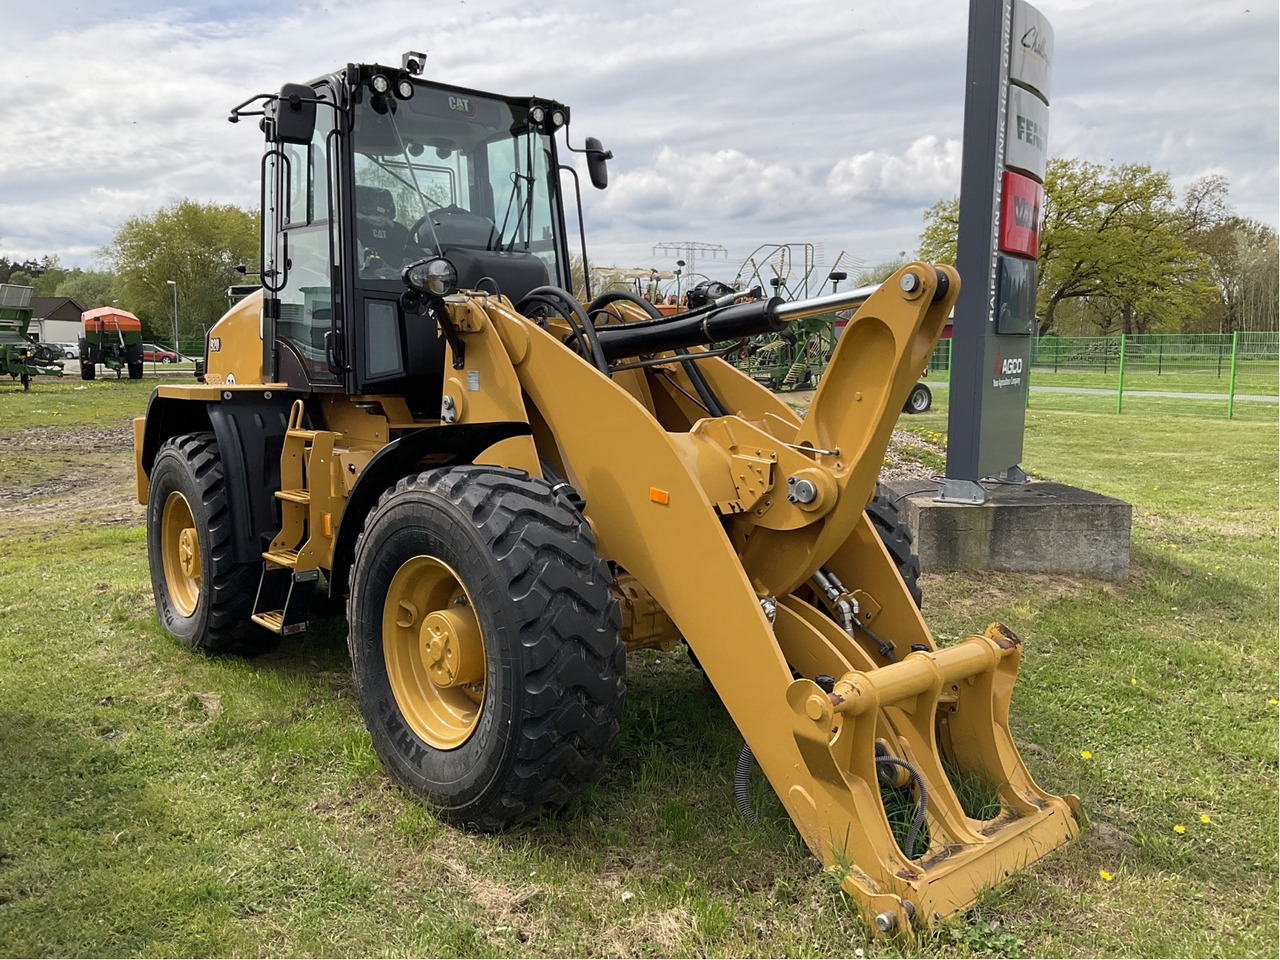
point(744, 528)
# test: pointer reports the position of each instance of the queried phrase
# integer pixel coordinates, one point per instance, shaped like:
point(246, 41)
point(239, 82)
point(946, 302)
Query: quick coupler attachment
point(927, 730)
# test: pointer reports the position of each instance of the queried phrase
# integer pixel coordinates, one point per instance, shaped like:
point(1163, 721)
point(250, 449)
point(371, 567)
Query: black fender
point(418, 450)
point(249, 428)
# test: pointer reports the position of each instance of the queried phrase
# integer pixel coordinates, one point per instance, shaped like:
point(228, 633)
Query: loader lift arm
point(702, 518)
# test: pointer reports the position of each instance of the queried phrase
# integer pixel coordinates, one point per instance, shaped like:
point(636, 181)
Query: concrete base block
point(1036, 527)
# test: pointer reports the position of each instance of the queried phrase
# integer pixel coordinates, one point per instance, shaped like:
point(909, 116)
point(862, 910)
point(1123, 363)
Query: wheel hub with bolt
point(434, 650)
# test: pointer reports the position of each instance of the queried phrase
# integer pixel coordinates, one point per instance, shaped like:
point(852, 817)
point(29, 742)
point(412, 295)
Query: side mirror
point(596, 167)
point(295, 114)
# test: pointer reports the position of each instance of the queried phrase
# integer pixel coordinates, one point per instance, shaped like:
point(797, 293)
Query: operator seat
point(376, 225)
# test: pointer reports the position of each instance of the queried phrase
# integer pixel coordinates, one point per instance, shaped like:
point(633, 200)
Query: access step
point(284, 598)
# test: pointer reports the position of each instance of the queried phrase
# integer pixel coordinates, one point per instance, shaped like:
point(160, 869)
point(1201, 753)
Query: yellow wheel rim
point(180, 553)
point(434, 650)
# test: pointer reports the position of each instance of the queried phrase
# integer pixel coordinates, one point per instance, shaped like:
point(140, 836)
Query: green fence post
point(1231, 384)
point(1220, 341)
point(1160, 357)
point(1120, 379)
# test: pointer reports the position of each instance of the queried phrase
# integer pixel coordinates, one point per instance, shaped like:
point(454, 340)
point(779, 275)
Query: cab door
point(301, 259)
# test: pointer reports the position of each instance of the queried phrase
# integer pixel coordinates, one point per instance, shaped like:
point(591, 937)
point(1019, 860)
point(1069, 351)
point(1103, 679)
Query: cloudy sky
point(732, 123)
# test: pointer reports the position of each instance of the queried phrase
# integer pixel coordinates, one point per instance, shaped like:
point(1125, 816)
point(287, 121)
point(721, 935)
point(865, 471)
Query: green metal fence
point(1210, 366)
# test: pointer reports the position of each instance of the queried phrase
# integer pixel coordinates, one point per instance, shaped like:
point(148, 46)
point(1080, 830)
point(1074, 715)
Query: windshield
point(447, 170)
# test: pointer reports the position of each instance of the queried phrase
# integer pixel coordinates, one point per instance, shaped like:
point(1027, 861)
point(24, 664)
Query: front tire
point(896, 536)
point(484, 644)
point(203, 597)
point(88, 371)
point(135, 371)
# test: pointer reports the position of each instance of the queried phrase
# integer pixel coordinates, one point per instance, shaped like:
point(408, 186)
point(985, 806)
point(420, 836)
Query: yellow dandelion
point(1086, 754)
point(1133, 681)
point(1104, 875)
point(1179, 828)
point(1204, 818)
point(1273, 701)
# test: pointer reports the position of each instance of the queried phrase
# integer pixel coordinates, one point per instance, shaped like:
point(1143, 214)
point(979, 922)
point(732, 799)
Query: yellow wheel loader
point(512, 488)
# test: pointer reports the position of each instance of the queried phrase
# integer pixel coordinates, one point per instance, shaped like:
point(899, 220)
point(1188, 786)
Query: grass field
point(153, 802)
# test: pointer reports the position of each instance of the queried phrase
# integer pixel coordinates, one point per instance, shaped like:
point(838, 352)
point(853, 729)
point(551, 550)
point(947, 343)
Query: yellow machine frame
point(696, 510)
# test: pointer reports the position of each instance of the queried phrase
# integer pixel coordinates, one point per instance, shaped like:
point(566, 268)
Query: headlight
point(437, 277)
point(379, 83)
point(537, 115)
point(404, 89)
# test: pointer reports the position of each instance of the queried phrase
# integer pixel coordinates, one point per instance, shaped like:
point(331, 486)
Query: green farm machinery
point(21, 357)
point(795, 358)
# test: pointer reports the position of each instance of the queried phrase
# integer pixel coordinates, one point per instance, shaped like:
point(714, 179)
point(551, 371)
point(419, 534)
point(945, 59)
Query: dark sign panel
point(1017, 315)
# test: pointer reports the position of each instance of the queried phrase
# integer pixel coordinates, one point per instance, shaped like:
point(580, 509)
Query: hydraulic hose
point(576, 316)
point(914, 833)
point(708, 396)
point(741, 780)
point(690, 330)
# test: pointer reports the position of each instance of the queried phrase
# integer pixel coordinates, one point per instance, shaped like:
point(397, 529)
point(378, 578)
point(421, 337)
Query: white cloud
point(731, 123)
point(927, 170)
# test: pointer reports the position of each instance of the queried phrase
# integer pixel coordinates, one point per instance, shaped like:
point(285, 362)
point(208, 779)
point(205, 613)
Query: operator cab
point(370, 170)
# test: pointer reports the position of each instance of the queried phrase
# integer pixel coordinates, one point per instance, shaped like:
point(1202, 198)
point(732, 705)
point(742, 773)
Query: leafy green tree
point(198, 247)
point(43, 275)
point(1117, 233)
point(941, 225)
point(51, 274)
point(88, 288)
point(1112, 238)
point(1243, 254)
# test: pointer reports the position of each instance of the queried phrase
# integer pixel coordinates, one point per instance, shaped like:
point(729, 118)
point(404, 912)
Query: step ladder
point(291, 564)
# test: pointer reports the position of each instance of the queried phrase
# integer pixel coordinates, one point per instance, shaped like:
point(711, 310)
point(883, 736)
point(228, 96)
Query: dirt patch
point(94, 479)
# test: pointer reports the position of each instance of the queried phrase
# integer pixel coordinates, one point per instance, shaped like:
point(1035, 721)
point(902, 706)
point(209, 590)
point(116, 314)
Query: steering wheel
point(460, 218)
point(421, 222)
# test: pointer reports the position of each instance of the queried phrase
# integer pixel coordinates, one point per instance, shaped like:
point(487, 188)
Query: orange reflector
point(659, 496)
point(328, 525)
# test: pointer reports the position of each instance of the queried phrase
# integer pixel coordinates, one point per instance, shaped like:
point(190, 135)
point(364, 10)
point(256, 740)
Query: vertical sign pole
point(984, 105)
point(1005, 125)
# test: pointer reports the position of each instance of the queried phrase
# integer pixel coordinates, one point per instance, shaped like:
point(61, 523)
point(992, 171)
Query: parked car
point(70, 351)
point(154, 354)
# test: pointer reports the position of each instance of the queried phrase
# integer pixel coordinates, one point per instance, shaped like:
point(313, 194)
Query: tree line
point(196, 245)
point(1120, 252)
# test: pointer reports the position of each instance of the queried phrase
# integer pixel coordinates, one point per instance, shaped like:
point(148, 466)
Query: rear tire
point(896, 536)
point(484, 644)
point(203, 597)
